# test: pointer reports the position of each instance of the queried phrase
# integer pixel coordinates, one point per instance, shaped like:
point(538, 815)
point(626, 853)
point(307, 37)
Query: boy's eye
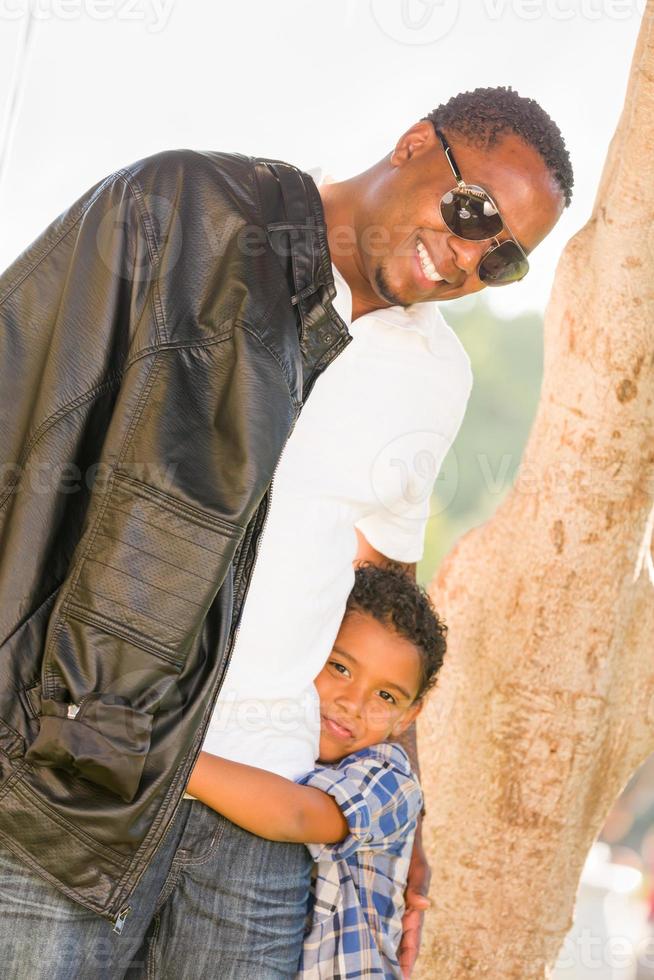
point(387, 697)
point(341, 668)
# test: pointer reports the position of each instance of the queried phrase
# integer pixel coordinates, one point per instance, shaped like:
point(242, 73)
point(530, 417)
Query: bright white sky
point(316, 83)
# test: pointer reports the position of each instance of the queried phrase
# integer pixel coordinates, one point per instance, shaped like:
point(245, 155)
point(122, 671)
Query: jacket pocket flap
point(102, 739)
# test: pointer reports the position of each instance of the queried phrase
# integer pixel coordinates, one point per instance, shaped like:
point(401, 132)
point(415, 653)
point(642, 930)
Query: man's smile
point(427, 265)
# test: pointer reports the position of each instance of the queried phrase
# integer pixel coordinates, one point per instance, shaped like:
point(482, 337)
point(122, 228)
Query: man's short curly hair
point(388, 594)
point(483, 115)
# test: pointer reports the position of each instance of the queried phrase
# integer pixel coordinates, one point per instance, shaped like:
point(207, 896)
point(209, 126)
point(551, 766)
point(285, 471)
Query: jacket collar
point(303, 232)
point(424, 318)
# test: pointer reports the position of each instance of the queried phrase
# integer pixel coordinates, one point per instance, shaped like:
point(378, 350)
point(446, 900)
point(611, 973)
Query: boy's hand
point(416, 901)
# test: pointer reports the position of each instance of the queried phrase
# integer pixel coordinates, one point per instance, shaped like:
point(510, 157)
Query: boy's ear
point(407, 718)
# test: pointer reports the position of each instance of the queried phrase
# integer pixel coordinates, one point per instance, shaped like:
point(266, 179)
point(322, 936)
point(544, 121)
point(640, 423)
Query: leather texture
point(157, 343)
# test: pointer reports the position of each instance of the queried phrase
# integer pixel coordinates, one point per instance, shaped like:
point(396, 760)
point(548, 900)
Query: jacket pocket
point(153, 567)
point(122, 630)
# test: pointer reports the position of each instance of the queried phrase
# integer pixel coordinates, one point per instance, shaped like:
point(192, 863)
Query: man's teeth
point(428, 266)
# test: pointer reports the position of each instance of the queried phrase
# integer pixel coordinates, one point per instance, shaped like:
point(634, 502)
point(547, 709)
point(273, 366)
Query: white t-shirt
point(365, 452)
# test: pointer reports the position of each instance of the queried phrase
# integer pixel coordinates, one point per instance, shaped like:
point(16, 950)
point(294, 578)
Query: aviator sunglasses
point(471, 213)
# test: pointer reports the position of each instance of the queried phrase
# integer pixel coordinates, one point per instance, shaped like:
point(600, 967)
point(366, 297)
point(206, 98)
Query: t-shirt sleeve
point(398, 535)
point(379, 800)
point(405, 474)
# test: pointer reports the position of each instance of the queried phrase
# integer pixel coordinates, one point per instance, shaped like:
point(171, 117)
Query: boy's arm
point(267, 804)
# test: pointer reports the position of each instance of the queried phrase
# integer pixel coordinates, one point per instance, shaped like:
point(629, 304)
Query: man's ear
point(407, 718)
point(418, 139)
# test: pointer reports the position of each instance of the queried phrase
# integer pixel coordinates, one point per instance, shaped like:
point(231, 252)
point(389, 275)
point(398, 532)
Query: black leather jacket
point(157, 342)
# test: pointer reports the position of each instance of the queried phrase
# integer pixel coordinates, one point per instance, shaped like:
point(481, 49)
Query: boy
point(357, 810)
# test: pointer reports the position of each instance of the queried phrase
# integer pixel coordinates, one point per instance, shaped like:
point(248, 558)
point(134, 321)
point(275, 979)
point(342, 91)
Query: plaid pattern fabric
point(354, 922)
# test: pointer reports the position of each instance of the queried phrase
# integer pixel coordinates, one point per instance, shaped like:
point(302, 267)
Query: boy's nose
point(351, 705)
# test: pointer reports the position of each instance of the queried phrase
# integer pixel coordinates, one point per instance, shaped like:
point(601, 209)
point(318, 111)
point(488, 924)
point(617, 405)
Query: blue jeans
point(216, 902)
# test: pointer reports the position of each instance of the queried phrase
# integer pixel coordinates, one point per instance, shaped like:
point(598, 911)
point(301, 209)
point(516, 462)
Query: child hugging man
point(357, 810)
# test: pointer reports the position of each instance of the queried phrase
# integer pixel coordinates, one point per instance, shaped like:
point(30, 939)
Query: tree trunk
point(545, 706)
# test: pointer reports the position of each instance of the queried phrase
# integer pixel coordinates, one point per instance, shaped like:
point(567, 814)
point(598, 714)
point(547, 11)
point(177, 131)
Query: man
point(127, 640)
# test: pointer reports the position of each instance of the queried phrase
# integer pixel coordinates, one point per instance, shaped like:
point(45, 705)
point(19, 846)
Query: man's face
point(403, 205)
point(367, 688)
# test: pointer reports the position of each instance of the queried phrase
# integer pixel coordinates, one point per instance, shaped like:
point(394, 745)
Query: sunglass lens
point(503, 264)
point(470, 216)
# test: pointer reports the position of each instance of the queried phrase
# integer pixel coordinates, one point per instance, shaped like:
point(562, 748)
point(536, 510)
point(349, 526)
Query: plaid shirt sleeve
point(378, 794)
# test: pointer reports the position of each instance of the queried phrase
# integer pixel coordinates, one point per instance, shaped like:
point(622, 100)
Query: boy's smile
point(367, 687)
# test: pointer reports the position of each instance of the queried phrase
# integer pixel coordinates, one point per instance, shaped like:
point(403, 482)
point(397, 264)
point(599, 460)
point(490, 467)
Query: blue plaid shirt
point(354, 922)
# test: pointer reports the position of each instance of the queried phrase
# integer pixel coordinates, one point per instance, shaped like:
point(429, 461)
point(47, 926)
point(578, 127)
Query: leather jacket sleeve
point(60, 337)
point(121, 350)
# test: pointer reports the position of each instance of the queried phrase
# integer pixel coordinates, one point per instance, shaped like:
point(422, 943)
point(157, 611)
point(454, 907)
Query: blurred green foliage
point(507, 364)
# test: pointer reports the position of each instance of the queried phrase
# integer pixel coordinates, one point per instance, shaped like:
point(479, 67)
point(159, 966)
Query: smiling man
point(393, 228)
point(180, 602)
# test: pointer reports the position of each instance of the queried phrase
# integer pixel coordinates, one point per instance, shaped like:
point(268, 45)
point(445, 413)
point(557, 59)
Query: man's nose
point(467, 255)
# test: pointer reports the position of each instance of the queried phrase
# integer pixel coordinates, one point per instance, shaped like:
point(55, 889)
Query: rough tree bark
point(546, 704)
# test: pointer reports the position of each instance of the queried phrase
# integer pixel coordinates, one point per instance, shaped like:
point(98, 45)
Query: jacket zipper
point(119, 920)
point(73, 709)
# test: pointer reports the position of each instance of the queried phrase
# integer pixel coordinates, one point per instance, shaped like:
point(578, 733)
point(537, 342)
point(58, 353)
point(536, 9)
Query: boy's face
point(367, 687)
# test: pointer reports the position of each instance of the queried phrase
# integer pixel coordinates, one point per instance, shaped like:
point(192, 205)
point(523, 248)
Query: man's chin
point(392, 295)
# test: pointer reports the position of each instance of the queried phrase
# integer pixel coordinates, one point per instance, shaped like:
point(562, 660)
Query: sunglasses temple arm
point(450, 157)
point(516, 241)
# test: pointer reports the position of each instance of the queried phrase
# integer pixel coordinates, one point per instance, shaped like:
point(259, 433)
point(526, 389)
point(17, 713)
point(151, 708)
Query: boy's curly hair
point(387, 593)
